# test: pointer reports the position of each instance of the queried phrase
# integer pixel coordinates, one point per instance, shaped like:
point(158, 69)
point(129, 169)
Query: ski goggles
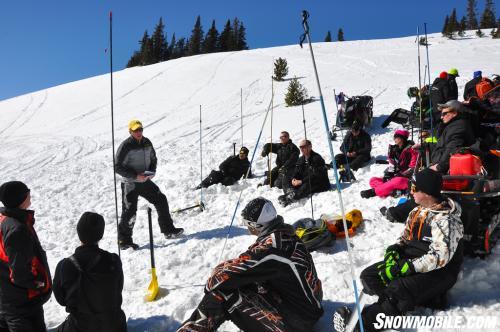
point(249, 223)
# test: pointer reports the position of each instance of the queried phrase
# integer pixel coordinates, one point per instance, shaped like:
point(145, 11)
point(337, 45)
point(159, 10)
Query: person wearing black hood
point(25, 281)
point(230, 171)
point(420, 268)
point(273, 286)
point(453, 132)
point(89, 283)
point(470, 87)
point(357, 146)
point(287, 155)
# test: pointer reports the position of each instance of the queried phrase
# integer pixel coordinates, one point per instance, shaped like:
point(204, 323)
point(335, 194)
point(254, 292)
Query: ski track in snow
point(65, 158)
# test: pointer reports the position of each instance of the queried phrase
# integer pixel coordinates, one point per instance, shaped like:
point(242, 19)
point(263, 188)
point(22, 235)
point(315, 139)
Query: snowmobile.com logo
point(435, 322)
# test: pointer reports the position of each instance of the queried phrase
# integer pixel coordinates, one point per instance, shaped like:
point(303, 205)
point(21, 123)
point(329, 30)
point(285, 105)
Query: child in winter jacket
point(402, 159)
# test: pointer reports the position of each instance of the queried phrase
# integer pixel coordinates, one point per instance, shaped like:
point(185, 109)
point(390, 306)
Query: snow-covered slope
point(58, 141)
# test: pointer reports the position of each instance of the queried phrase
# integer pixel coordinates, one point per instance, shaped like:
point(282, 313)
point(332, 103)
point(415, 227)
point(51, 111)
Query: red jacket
point(25, 280)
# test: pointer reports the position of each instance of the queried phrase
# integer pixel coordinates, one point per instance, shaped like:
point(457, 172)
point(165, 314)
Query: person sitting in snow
point(423, 264)
point(230, 171)
point(470, 87)
point(287, 155)
point(356, 148)
point(90, 282)
point(402, 159)
point(310, 176)
point(272, 286)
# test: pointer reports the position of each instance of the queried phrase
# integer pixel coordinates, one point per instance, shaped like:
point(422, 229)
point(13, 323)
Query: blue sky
point(47, 43)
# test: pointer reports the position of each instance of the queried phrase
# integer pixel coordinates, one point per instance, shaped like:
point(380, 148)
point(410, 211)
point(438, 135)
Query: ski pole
point(270, 155)
point(113, 125)
point(429, 78)
point(246, 177)
point(305, 24)
point(201, 163)
point(241, 116)
point(307, 163)
point(348, 169)
point(419, 83)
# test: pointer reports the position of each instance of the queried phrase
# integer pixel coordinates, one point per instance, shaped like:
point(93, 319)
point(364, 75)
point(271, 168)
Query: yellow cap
point(134, 125)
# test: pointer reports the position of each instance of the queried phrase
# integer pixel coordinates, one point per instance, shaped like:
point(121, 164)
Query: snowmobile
point(355, 108)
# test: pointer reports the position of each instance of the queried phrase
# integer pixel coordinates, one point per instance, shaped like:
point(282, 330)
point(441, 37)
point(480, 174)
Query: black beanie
point(13, 193)
point(429, 181)
point(90, 227)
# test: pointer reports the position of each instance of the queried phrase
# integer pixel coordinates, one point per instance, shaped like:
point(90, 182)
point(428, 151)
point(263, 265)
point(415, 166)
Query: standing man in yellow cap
point(136, 163)
point(452, 76)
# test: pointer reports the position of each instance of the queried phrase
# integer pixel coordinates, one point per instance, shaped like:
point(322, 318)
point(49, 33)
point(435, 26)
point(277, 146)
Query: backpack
point(313, 233)
point(483, 87)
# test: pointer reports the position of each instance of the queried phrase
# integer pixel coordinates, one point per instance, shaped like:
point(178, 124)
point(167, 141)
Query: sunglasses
point(443, 114)
point(138, 130)
point(302, 146)
point(283, 136)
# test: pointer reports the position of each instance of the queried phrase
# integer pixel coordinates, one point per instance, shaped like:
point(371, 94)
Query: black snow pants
point(403, 294)
point(354, 163)
point(247, 309)
point(150, 191)
point(217, 177)
point(23, 322)
point(279, 178)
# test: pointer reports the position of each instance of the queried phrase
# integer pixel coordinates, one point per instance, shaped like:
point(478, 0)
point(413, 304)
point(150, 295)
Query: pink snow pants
point(384, 189)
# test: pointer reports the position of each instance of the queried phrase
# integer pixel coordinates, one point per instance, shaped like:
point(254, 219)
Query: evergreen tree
point(236, 29)
point(280, 69)
point(446, 27)
point(196, 40)
point(241, 41)
point(340, 35)
point(160, 47)
point(453, 23)
point(479, 33)
point(171, 48)
point(225, 38)
point(471, 15)
point(488, 20)
point(462, 26)
point(497, 32)
point(296, 94)
point(328, 37)
point(146, 50)
point(210, 42)
point(135, 60)
point(181, 47)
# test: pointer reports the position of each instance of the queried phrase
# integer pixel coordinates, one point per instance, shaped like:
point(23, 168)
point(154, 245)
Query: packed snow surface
point(58, 141)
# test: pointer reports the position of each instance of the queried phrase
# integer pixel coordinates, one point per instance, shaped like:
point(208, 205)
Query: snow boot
point(346, 175)
point(174, 233)
point(125, 244)
point(341, 318)
point(285, 200)
point(383, 210)
point(368, 193)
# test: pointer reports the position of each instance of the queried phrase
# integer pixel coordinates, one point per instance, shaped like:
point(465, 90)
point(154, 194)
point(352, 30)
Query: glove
point(392, 252)
point(393, 269)
point(265, 149)
point(281, 170)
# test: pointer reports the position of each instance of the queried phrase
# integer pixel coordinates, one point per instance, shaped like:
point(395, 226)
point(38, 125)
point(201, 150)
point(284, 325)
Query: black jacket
point(235, 167)
point(133, 158)
point(287, 154)
point(313, 169)
point(440, 92)
point(453, 88)
point(470, 88)
point(93, 296)
point(361, 144)
point(25, 281)
point(281, 264)
point(452, 135)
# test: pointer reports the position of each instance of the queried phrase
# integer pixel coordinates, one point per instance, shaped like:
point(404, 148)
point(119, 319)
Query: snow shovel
point(153, 285)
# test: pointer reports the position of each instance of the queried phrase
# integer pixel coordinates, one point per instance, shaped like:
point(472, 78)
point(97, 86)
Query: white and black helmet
point(258, 213)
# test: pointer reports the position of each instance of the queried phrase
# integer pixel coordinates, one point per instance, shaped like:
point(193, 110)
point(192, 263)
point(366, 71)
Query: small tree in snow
point(296, 94)
point(280, 69)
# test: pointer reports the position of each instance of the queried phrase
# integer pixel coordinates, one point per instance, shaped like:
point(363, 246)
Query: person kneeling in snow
point(273, 286)
point(230, 171)
point(90, 282)
point(425, 262)
point(310, 176)
point(402, 159)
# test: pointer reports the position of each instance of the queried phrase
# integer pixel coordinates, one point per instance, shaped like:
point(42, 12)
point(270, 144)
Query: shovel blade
point(153, 288)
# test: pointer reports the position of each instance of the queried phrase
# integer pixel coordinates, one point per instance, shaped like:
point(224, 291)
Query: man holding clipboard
point(136, 163)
